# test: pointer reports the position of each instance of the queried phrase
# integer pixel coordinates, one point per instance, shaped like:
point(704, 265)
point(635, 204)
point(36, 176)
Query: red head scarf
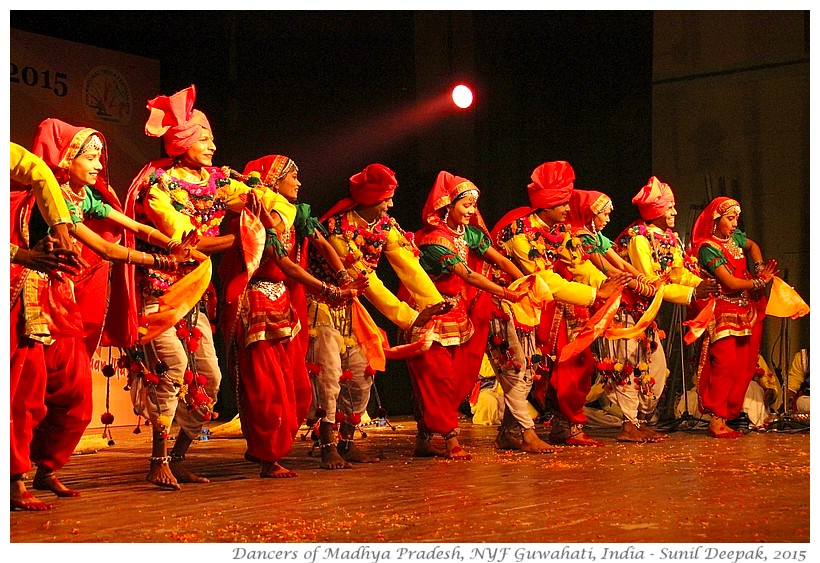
point(705, 223)
point(372, 185)
point(58, 143)
point(653, 199)
point(584, 205)
point(552, 184)
point(175, 120)
point(446, 190)
point(271, 168)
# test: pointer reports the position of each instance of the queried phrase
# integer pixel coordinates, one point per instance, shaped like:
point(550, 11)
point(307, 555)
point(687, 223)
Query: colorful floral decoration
point(661, 244)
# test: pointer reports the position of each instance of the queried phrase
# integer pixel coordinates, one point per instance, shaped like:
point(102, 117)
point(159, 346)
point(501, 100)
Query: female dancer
point(267, 319)
point(453, 245)
point(729, 354)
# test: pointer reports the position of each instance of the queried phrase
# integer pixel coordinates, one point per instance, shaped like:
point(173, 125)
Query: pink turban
point(653, 199)
point(552, 184)
point(175, 120)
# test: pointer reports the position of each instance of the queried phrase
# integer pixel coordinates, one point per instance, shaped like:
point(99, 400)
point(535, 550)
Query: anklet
point(326, 446)
point(451, 434)
point(163, 460)
point(176, 458)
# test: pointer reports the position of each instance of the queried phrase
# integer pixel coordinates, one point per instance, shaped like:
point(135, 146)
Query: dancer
point(655, 250)
point(454, 245)
point(31, 176)
point(537, 240)
point(346, 346)
point(589, 213)
point(175, 195)
point(730, 350)
point(265, 320)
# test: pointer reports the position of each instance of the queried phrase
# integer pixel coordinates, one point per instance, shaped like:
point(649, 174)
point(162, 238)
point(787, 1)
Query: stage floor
point(689, 488)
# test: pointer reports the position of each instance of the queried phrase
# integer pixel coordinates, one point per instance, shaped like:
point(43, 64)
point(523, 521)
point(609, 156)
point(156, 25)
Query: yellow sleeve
point(518, 249)
point(398, 251)
point(567, 291)
point(388, 304)
point(161, 213)
point(26, 168)
point(640, 256)
point(586, 273)
point(233, 191)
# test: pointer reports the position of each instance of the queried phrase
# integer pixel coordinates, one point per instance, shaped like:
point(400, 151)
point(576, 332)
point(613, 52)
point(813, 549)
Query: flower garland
point(551, 244)
point(662, 243)
point(201, 202)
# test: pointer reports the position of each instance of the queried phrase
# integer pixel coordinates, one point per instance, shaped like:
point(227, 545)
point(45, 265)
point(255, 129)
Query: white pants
point(517, 384)
point(630, 400)
point(168, 348)
point(349, 397)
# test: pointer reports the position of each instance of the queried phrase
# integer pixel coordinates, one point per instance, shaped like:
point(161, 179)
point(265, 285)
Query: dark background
point(335, 91)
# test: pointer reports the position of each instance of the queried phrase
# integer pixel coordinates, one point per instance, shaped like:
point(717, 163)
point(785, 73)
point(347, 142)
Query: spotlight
point(462, 96)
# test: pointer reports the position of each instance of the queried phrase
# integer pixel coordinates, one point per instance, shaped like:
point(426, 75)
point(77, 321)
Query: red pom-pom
point(193, 345)
point(107, 418)
point(201, 380)
point(150, 378)
point(628, 368)
point(347, 375)
point(196, 333)
point(188, 376)
point(122, 362)
point(182, 332)
point(320, 412)
point(497, 340)
point(369, 371)
point(313, 368)
point(340, 416)
point(601, 366)
point(354, 418)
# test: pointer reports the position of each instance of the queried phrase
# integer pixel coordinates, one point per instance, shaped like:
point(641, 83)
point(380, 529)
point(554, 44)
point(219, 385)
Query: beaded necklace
point(368, 240)
point(730, 246)
point(200, 201)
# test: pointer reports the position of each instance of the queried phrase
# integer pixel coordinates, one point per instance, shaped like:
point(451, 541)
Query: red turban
point(705, 222)
point(271, 168)
point(552, 183)
point(584, 205)
point(373, 185)
point(653, 199)
point(175, 120)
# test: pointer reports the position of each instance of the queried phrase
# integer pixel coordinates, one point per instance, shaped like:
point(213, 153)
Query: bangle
point(759, 265)
point(128, 256)
point(343, 277)
point(151, 232)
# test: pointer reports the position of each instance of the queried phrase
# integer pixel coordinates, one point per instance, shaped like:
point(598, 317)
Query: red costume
point(267, 327)
point(444, 375)
point(729, 354)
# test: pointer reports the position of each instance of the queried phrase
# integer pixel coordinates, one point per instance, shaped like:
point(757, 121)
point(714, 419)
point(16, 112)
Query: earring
point(446, 215)
point(594, 230)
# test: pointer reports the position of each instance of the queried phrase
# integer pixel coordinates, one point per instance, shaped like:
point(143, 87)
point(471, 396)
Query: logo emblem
point(106, 96)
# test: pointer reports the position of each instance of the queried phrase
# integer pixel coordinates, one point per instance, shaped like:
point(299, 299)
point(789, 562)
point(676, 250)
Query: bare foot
point(651, 434)
point(160, 475)
point(183, 475)
point(719, 429)
point(426, 448)
point(631, 433)
point(455, 451)
point(531, 443)
point(351, 452)
point(577, 437)
point(331, 458)
point(505, 440)
point(46, 480)
point(21, 499)
point(273, 470)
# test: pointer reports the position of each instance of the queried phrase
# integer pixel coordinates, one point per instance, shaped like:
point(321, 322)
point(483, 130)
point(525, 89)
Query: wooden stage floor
point(689, 488)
